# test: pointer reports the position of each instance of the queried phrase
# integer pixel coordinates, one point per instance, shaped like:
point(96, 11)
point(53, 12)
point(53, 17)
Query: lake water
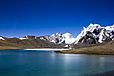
point(47, 63)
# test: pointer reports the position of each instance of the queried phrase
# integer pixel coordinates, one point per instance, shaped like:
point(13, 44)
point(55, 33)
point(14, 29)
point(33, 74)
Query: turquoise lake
point(48, 63)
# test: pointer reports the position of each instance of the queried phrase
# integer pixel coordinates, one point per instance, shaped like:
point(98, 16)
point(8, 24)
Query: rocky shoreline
point(92, 52)
point(101, 49)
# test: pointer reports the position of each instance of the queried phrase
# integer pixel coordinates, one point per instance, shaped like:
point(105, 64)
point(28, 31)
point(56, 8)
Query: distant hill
point(29, 42)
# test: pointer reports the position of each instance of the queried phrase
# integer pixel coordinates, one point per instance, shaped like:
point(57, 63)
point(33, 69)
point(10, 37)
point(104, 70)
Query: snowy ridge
point(99, 33)
point(94, 33)
point(1, 38)
point(24, 38)
point(59, 38)
point(68, 38)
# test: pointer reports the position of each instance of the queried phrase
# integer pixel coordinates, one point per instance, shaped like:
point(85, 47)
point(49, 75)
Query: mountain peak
point(97, 33)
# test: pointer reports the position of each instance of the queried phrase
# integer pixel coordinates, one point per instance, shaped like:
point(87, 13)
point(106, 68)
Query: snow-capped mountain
point(2, 38)
point(95, 33)
point(68, 38)
point(56, 38)
point(28, 37)
point(59, 38)
point(92, 34)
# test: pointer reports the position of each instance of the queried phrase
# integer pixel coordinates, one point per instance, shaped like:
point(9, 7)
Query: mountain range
point(91, 35)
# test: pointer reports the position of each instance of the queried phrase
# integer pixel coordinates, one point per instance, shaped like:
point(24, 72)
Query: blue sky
point(44, 17)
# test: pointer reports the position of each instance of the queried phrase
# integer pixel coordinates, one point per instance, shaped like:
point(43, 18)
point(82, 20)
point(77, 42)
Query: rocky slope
point(26, 42)
point(101, 49)
point(94, 34)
